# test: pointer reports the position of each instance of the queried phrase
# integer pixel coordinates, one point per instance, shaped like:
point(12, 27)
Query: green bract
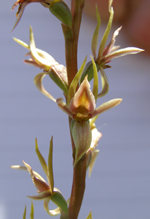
point(61, 10)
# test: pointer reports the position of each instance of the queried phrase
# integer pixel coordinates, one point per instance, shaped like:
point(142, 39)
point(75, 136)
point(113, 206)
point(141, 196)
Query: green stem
point(78, 188)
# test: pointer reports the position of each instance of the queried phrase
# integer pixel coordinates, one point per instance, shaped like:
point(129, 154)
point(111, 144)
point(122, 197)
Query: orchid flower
point(82, 103)
point(43, 60)
point(109, 52)
point(46, 191)
point(105, 53)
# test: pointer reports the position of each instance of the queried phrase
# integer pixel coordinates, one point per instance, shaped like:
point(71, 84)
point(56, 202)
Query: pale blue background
point(120, 184)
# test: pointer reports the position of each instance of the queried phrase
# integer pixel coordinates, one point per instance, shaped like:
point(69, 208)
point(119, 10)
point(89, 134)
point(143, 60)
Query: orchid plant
point(81, 89)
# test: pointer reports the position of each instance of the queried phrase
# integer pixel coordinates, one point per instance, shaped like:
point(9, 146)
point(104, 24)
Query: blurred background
point(119, 187)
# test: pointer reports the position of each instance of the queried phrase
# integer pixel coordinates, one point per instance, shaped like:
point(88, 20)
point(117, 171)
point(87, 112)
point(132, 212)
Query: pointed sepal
point(106, 106)
point(50, 166)
point(41, 158)
point(24, 213)
point(75, 81)
point(104, 82)
point(105, 36)
point(90, 215)
point(95, 35)
point(32, 211)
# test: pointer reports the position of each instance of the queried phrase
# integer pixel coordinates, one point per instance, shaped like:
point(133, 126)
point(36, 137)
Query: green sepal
point(62, 12)
point(41, 158)
point(88, 70)
point(32, 211)
point(75, 82)
point(59, 200)
point(90, 215)
point(24, 213)
point(105, 84)
point(105, 36)
point(95, 81)
point(95, 35)
point(59, 77)
point(50, 166)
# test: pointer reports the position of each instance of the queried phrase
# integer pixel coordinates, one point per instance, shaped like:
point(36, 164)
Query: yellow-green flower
point(46, 191)
point(50, 66)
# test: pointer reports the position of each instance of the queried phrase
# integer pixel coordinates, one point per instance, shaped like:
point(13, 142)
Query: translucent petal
point(18, 167)
point(121, 52)
point(38, 82)
point(59, 200)
point(110, 46)
point(51, 212)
